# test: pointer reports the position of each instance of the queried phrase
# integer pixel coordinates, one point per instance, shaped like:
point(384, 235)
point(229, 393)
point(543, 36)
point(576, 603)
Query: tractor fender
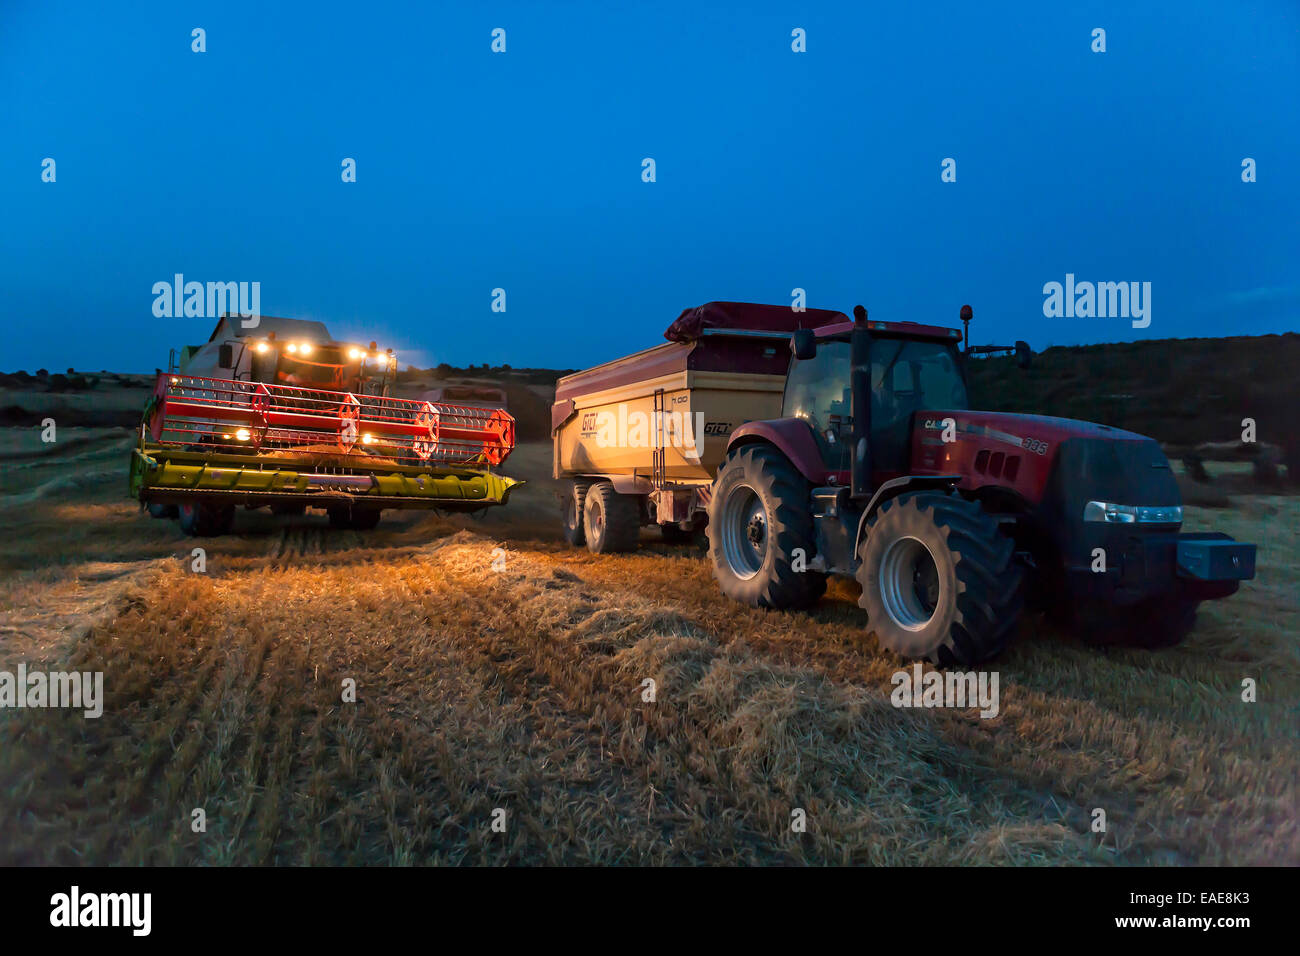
point(895, 487)
point(792, 437)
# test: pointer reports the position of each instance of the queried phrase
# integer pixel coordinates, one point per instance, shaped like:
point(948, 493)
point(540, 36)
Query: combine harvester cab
point(241, 422)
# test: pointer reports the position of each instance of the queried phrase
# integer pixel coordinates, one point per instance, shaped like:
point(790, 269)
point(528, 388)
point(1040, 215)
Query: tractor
point(952, 520)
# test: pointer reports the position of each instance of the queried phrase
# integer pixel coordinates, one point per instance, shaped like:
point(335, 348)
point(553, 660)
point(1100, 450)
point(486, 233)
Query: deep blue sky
point(775, 169)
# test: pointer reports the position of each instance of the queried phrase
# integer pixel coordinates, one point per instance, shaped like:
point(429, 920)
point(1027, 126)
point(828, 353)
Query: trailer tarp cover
point(747, 315)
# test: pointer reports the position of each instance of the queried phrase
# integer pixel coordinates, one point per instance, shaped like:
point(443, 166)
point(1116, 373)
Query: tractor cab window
point(908, 376)
point(817, 391)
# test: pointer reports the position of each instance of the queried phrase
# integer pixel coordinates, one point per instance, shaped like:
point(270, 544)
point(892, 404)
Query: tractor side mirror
point(1024, 354)
point(804, 344)
point(226, 356)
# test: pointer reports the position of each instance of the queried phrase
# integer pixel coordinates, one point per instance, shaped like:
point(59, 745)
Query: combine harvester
point(858, 456)
point(284, 416)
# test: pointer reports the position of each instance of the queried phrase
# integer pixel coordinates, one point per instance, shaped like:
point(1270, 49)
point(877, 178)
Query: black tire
point(353, 517)
point(163, 511)
point(610, 522)
point(676, 534)
point(760, 515)
point(572, 501)
point(205, 519)
point(1151, 624)
point(939, 580)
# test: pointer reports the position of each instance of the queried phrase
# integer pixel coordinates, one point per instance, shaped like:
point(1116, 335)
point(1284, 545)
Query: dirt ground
point(498, 670)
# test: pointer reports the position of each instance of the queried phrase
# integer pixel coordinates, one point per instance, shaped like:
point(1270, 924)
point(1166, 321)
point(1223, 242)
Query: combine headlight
point(356, 354)
point(1132, 514)
point(242, 434)
point(367, 439)
point(305, 348)
point(263, 347)
point(292, 347)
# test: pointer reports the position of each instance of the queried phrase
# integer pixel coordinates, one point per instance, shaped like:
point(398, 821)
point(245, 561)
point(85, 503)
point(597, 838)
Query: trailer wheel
point(761, 529)
point(572, 501)
point(205, 519)
point(939, 581)
point(676, 534)
point(353, 517)
point(610, 522)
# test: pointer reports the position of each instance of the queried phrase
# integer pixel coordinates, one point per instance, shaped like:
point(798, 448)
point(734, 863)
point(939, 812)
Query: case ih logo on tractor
point(865, 462)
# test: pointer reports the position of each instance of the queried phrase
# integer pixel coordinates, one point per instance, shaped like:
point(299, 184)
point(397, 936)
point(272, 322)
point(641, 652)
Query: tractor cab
point(910, 367)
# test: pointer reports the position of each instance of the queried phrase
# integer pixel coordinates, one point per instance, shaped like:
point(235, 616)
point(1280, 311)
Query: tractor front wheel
point(939, 581)
point(760, 531)
point(1152, 624)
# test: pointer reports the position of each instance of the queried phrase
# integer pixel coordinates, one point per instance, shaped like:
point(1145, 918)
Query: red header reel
point(256, 418)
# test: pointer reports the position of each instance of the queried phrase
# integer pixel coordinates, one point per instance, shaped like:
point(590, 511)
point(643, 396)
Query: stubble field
point(498, 669)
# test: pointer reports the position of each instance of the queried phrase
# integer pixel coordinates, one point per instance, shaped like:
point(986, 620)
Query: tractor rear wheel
point(760, 531)
point(205, 519)
point(610, 522)
point(939, 581)
point(572, 500)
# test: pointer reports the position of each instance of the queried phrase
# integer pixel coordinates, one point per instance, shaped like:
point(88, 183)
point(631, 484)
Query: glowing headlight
point(263, 347)
point(367, 439)
point(305, 348)
point(242, 434)
point(356, 354)
point(1132, 514)
point(292, 347)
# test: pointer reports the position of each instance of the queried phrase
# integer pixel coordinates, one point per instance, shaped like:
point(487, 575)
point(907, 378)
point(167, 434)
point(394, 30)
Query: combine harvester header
point(210, 443)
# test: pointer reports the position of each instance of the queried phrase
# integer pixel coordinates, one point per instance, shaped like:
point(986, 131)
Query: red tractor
point(951, 519)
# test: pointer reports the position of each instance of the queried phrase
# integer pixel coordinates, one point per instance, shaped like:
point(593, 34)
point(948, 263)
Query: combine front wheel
point(206, 519)
point(353, 517)
point(938, 579)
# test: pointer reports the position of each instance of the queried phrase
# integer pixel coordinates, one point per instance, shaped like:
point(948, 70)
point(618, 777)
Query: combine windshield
point(326, 368)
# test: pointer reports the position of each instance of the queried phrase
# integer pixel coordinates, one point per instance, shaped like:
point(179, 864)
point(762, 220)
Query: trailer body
point(656, 424)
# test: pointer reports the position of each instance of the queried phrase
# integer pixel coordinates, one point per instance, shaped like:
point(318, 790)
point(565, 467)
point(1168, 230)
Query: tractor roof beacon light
point(967, 313)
